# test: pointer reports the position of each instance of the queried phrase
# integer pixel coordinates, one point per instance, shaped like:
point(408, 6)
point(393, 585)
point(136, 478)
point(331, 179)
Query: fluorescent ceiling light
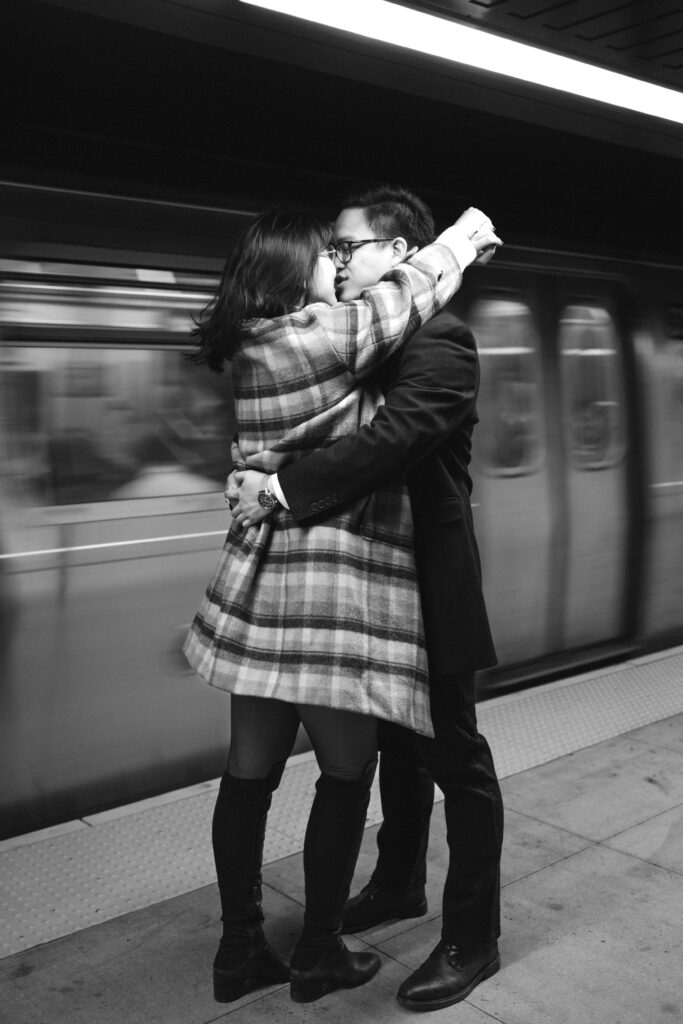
point(439, 37)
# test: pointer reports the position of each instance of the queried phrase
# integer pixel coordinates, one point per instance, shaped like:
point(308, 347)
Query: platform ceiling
point(216, 104)
point(641, 38)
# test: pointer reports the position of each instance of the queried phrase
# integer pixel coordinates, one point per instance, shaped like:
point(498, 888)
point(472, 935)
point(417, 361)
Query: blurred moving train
point(114, 450)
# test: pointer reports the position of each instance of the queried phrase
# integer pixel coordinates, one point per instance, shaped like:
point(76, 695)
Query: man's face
point(368, 264)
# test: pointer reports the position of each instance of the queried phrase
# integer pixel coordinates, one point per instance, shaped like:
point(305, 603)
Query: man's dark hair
point(391, 210)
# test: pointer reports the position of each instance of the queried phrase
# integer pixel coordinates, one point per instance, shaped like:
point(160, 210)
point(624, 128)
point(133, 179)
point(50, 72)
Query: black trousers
point(459, 760)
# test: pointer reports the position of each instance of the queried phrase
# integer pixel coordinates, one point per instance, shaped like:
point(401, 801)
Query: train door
point(513, 495)
point(594, 455)
point(551, 450)
point(660, 356)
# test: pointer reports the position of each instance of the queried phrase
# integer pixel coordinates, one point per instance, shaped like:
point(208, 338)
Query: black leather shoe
point(372, 906)
point(339, 968)
point(261, 968)
point(447, 976)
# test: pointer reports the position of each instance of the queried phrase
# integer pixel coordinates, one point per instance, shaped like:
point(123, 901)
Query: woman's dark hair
point(267, 274)
point(392, 210)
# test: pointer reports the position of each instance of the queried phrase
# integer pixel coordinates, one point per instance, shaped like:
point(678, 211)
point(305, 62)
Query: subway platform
point(113, 919)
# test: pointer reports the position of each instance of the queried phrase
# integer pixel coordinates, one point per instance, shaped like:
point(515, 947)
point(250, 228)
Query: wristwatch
point(266, 498)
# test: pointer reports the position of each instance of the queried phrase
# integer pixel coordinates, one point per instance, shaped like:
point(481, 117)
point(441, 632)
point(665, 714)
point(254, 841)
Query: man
point(423, 432)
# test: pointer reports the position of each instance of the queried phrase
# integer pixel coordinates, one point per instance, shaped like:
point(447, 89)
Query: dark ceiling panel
point(195, 112)
point(240, 28)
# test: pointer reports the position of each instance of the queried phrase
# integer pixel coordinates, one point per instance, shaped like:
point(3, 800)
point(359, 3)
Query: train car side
point(115, 449)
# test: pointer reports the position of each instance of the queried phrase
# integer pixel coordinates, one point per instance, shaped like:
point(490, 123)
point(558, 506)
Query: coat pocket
point(447, 510)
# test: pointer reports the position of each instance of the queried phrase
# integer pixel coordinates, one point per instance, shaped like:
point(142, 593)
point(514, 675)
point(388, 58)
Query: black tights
point(264, 731)
point(263, 734)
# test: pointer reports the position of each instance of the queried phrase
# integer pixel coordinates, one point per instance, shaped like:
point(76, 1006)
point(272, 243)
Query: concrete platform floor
point(592, 905)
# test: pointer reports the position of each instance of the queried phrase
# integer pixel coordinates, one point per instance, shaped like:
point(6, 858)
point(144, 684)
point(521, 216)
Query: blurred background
point(137, 141)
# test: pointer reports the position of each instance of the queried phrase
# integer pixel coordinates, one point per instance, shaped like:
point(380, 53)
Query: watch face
point(265, 499)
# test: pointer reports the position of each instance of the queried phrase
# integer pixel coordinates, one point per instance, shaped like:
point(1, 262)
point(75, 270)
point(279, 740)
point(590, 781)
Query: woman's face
point(322, 285)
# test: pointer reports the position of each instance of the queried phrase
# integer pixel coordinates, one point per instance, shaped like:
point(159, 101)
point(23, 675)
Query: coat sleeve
point(435, 392)
point(368, 330)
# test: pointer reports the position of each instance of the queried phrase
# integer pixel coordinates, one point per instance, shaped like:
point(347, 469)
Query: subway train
point(114, 451)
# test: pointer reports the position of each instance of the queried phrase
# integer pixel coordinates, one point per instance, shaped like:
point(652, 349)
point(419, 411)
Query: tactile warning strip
point(534, 726)
point(79, 874)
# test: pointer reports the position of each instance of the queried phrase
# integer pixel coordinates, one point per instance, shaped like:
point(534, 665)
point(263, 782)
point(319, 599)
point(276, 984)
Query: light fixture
point(439, 37)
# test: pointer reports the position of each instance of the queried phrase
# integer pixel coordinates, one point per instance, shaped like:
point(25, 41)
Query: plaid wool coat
point(327, 614)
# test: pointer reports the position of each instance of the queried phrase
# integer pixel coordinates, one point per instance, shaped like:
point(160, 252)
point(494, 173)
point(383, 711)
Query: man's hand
point(241, 494)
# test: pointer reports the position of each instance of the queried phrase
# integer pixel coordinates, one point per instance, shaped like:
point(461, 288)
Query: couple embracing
point(348, 594)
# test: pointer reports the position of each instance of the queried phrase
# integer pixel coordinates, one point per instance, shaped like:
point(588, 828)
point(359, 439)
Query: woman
point(321, 625)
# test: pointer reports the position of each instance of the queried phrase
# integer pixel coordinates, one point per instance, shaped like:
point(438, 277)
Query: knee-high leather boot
point(244, 960)
point(321, 962)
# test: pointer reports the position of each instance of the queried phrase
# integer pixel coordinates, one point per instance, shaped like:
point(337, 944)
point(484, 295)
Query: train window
point(97, 399)
point(36, 309)
point(592, 388)
point(511, 436)
point(667, 408)
point(673, 322)
point(94, 424)
point(668, 452)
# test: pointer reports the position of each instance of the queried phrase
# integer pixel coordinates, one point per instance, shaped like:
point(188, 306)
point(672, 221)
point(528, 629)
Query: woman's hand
point(485, 242)
point(241, 494)
point(480, 231)
point(232, 490)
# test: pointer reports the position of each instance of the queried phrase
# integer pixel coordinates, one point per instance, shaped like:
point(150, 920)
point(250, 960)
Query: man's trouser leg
point(460, 762)
point(407, 796)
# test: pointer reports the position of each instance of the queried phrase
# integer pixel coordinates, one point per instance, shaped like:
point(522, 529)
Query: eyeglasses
point(344, 251)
